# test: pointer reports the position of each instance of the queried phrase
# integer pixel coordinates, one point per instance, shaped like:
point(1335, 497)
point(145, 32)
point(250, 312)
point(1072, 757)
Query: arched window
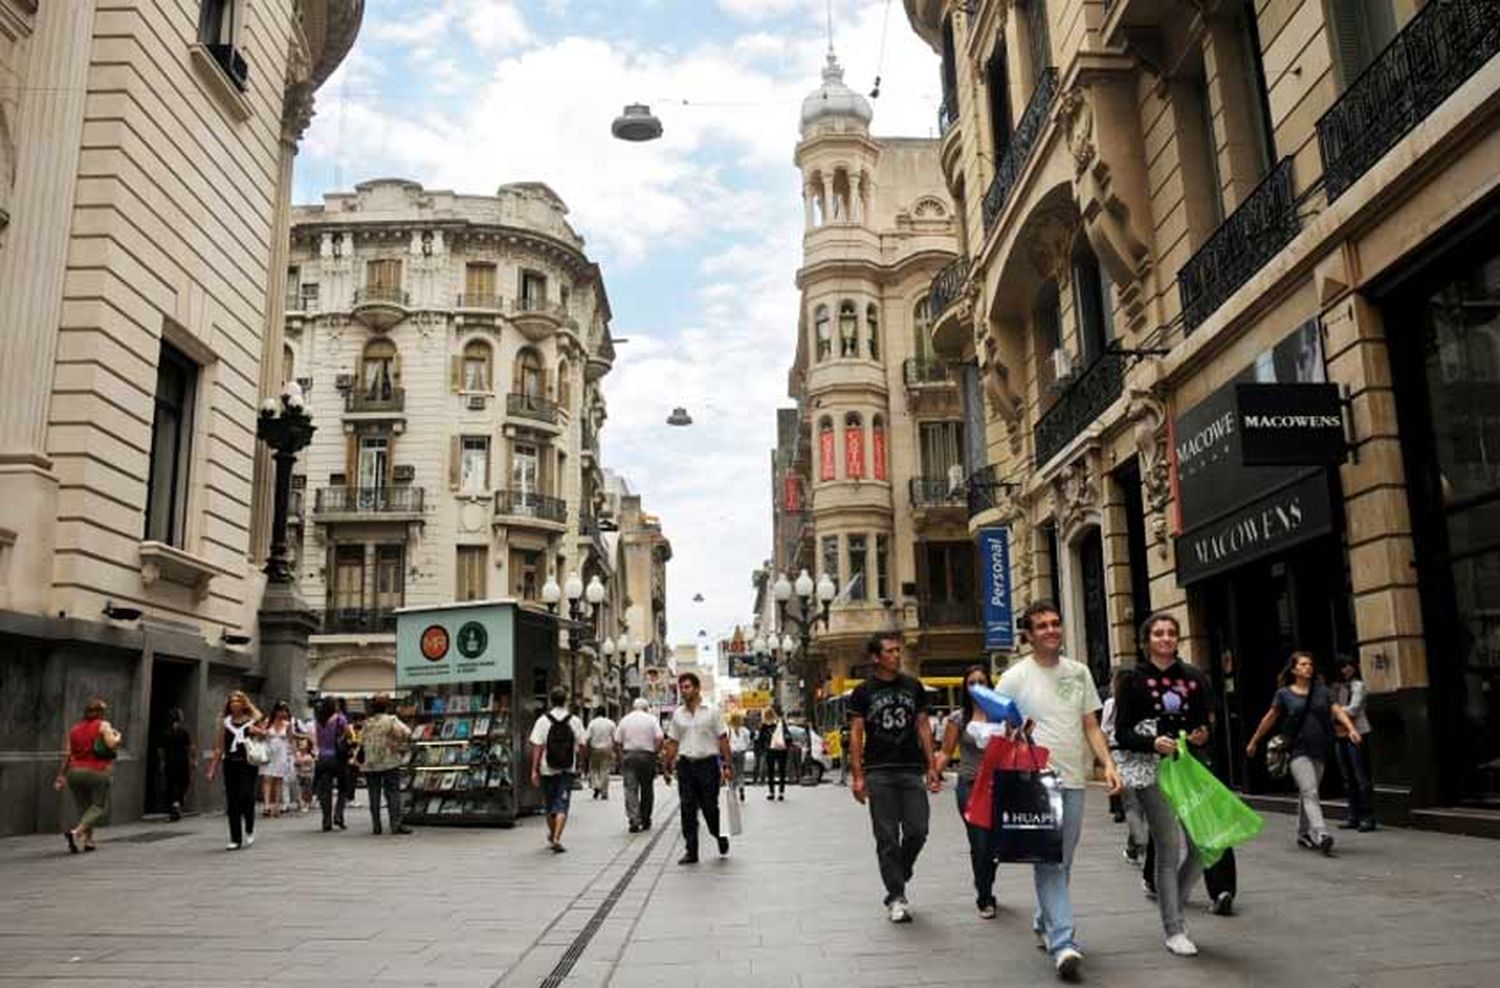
point(1046, 321)
point(377, 371)
point(288, 365)
point(877, 448)
point(477, 368)
point(848, 330)
point(854, 446)
point(872, 329)
point(921, 330)
point(564, 384)
point(531, 381)
point(826, 456)
point(822, 332)
point(815, 193)
point(1091, 300)
point(841, 196)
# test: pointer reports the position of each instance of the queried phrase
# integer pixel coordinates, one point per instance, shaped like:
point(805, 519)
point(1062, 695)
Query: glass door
point(374, 467)
point(525, 470)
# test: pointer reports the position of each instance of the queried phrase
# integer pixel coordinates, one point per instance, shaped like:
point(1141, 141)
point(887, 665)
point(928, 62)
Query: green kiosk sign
point(455, 643)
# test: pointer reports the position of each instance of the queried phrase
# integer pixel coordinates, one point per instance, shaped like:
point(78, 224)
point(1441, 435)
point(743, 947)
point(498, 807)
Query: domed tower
point(836, 155)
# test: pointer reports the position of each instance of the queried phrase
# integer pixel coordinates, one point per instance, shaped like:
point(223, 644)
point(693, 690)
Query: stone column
point(286, 623)
point(48, 131)
point(828, 207)
point(807, 207)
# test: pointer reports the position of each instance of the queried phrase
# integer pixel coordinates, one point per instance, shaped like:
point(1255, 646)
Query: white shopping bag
point(734, 809)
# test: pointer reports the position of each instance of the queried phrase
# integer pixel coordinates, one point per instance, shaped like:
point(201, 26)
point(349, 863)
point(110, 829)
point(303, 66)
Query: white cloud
point(497, 26)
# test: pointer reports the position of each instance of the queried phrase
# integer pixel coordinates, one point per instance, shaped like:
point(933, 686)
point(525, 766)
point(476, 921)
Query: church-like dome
point(834, 99)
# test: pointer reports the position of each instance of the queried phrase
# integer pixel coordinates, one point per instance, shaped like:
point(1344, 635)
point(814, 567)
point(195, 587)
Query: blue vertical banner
point(994, 580)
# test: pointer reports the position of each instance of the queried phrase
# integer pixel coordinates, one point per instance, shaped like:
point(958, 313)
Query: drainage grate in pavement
point(150, 837)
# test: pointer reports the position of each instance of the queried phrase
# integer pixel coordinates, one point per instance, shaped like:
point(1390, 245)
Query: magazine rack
point(462, 764)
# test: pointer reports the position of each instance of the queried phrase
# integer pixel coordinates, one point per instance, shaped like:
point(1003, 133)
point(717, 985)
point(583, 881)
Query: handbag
point(1279, 748)
point(104, 751)
point(734, 810)
point(257, 752)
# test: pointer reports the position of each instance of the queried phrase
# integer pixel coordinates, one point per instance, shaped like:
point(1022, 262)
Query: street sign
point(755, 699)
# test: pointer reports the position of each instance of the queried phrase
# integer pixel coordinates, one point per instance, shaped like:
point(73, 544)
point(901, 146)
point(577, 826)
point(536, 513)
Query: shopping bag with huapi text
point(734, 810)
point(999, 753)
point(1028, 817)
point(1215, 818)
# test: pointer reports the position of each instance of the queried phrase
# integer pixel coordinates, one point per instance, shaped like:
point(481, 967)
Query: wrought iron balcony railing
point(1443, 45)
point(483, 300)
point(1253, 234)
point(935, 492)
point(947, 111)
point(947, 286)
point(1022, 142)
point(980, 489)
point(532, 407)
point(1082, 403)
point(356, 619)
point(529, 504)
point(923, 370)
point(368, 500)
point(947, 613)
point(381, 295)
point(375, 400)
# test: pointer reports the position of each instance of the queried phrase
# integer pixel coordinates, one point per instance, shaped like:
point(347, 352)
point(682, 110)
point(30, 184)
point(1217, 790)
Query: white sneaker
point(249, 839)
point(900, 911)
point(1068, 961)
point(231, 846)
point(1041, 939)
point(1179, 944)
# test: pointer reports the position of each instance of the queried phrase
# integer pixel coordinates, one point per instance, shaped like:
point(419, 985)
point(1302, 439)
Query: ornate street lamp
point(286, 433)
point(805, 619)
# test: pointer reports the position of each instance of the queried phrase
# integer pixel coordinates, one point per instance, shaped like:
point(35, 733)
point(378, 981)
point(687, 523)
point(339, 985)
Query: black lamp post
point(286, 433)
point(578, 596)
point(806, 618)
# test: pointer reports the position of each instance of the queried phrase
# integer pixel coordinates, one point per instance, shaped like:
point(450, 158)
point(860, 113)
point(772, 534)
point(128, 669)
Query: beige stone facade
point(866, 474)
point(1160, 200)
point(451, 350)
point(145, 173)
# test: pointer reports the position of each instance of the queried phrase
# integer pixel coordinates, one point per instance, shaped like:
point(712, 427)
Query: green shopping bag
point(1215, 818)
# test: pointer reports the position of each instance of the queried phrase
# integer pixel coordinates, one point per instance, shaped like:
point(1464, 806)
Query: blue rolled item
point(996, 706)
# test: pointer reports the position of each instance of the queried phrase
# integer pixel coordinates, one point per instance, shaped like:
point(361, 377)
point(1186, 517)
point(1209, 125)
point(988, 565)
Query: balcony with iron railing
point(1023, 142)
point(372, 501)
point(381, 295)
point(380, 306)
point(533, 407)
point(1444, 43)
point(525, 504)
point(935, 492)
point(980, 488)
point(375, 401)
point(926, 372)
point(947, 286)
point(359, 620)
point(480, 301)
point(947, 613)
point(1253, 234)
point(1084, 401)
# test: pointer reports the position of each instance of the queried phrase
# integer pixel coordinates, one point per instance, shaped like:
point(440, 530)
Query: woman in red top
point(89, 755)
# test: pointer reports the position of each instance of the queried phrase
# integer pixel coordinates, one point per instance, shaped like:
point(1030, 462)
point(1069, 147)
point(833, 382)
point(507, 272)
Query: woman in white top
point(739, 743)
point(275, 773)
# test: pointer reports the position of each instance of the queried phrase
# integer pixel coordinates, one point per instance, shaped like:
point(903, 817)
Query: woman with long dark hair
point(963, 743)
point(1308, 714)
point(241, 722)
point(1350, 693)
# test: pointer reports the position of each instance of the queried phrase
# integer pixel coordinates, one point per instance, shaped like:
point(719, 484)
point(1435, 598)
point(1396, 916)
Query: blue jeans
point(1054, 905)
point(557, 793)
point(981, 860)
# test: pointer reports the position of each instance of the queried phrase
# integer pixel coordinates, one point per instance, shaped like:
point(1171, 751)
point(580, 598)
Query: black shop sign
point(1294, 513)
point(1290, 424)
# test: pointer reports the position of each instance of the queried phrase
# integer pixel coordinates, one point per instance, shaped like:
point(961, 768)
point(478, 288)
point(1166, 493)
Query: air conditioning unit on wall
point(403, 473)
point(475, 403)
point(344, 382)
point(1062, 364)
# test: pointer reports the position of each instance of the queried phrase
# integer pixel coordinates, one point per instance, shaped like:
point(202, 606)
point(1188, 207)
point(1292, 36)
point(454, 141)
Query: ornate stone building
point(451, 349)
point(145, 178)
point(866, 477)
point(1163, 201)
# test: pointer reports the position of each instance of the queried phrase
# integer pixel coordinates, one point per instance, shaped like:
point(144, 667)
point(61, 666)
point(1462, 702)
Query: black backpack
point(560, 744)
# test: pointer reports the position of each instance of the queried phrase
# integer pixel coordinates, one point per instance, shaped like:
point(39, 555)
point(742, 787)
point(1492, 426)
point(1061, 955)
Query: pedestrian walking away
point(1308, 715)
point(89, 752)
point(559, 745)
point(739, 746)
point(384, 742)
point(893, 767)
point(697, 751)
point(601, 731)
point(241, 722)
point(762, 738)
point(1350, 693)
point(1137, 835)
point(277, 772)
point(638, 738)
point(1061, 705)
point(1160, 699)
point(963, 745)
point(332, 749)
point(774, 744)
point(177, 762)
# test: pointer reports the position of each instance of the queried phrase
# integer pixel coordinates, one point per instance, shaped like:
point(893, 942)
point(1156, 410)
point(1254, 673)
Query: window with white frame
point(474, 464)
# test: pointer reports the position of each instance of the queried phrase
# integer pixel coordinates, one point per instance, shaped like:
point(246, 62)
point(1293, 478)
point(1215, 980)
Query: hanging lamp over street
point(679, 416)
point(637, 124)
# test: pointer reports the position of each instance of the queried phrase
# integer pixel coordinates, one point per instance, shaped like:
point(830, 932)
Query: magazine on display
point(460, 766)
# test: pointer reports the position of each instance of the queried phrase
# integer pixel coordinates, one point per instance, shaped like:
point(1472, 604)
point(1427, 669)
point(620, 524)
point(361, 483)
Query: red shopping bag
point(1001, 754)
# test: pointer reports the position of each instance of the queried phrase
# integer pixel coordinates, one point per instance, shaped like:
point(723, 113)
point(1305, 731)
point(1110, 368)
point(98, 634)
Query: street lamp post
point(805, 619)
point(583, 602)
point(285, 433)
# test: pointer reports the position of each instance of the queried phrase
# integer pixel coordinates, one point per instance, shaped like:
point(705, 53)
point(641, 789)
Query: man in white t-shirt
point(639, 738)
point(601, 753)
point(697, 750)
point(1058, 697)
point(559, 744)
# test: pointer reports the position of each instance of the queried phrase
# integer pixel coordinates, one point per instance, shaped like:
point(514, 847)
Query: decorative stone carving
point(1004, 403)
point(1076, 115)
point(1075, 490)
point(1050, 246)
point(1147, 415)
point(296, 111)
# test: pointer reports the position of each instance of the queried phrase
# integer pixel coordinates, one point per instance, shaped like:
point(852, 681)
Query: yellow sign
point(755, 699)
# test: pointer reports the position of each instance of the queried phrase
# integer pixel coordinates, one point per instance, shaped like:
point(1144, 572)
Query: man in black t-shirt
point(891, 762)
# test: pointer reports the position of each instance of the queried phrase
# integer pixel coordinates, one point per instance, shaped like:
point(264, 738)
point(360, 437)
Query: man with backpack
point(558, 748)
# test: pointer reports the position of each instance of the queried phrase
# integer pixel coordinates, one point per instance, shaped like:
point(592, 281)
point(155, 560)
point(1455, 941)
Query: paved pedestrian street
point(797, 903)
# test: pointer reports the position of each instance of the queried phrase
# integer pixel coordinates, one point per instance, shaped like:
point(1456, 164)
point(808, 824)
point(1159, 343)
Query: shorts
point(557, 792)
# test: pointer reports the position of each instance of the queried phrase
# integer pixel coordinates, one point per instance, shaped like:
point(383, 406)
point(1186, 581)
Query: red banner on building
point(854, 451)
point(825, 455)
point(878, 452)
point(791, 497)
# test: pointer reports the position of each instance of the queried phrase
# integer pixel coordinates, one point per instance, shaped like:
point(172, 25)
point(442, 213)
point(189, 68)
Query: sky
point(698, 234)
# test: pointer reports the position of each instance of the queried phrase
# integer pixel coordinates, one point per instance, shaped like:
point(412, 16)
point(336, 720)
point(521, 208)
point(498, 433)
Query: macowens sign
point(1290, 424)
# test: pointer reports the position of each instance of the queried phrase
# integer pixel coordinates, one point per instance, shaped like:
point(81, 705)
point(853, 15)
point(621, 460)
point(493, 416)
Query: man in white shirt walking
point(601, 753)
point(697, 749)
point(1058, 696)
point(558, 747)
point(639, 738)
